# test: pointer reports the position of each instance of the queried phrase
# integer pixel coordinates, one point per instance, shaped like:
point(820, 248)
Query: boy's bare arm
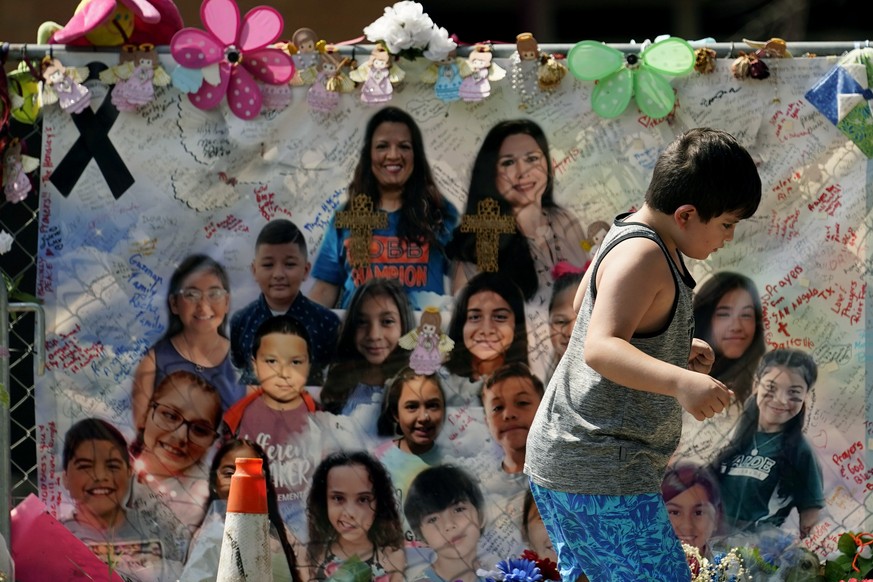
point(324, 293)
point(635, 293)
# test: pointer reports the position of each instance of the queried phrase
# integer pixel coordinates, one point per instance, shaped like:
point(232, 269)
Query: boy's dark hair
point(280, 231)
point(93, 429)
point(460, 362)
point(709, 169)
point(514, 370)
point(683, 475)
point(438, 487)
point(283, 324)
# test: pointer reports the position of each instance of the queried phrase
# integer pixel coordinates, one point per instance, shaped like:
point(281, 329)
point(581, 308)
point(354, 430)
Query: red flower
point(548, 568)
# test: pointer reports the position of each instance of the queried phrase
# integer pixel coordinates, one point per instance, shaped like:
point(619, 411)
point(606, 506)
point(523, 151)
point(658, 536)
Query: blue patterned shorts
point(612, 538)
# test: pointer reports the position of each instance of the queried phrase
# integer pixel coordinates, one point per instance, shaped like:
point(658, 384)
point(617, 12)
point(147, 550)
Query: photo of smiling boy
point(280, 266)
point(276, 415)
point(97, 475)
point(445, 509)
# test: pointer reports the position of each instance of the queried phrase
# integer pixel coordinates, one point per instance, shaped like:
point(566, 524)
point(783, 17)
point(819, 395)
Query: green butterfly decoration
point(620, 77)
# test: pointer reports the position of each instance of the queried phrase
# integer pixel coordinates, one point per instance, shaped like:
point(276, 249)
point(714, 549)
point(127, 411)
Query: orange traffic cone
point(245, 548)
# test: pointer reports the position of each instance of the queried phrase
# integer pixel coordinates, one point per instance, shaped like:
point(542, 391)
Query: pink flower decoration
point(240, 51)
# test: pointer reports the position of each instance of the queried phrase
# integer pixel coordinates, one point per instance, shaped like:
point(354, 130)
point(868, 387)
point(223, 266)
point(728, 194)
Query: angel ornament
point(63, 85)
point(378, 76)
point(332, 80)
point(427, 342)
point(446, 75)
point(16, 184)
point(304, 51)
point(477, 85)
point(534, 73)
point(135, 78)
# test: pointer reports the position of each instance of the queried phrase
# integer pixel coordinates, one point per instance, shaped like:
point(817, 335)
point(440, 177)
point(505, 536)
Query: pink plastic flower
point(240, 52)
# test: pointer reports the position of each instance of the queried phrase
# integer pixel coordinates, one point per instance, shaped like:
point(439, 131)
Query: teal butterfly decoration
point(620, 77)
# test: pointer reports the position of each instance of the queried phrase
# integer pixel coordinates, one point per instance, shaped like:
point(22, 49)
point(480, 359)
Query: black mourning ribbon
point(94, 142)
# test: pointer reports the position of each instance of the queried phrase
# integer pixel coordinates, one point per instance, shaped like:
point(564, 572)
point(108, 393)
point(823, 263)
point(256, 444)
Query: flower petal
point(261, 26)
point(209, 96)
point(221, 18)
point(194, 48)
point(243, 94)
point(270, 65)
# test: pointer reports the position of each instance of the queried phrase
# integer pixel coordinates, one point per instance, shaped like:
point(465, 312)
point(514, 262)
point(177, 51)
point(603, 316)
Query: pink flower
point(239, 50)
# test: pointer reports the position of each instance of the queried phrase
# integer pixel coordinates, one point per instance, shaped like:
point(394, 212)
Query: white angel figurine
point(428, 343)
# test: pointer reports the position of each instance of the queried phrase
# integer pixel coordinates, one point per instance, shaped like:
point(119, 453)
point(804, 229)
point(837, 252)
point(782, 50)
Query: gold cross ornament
point(487, 225)
point(361, 220)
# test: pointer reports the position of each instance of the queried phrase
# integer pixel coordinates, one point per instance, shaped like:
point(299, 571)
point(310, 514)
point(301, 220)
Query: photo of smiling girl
point(170, 451)
point(351, 511)
point(488, 329)
point(769, 468)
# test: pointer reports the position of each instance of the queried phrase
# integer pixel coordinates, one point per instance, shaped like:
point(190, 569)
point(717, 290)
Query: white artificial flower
point(404, 26)
point(5, 242)
point(440, 45)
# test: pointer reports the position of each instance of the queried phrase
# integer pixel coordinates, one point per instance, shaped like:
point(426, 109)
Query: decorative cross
point(487, 225)
point(361, 220)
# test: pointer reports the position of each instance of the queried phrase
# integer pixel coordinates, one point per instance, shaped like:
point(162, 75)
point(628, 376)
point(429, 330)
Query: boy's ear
point(252, 268)
point(684, 213)
point(64, 480)
point(306, 272)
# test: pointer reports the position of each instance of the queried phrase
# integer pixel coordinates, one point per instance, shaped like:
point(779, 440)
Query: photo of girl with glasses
point(179, 428)
point(198, 303)
point(562, 316)
point(769, 467)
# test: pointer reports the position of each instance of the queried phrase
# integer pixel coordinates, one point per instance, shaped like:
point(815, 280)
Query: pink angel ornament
point(331, 81)
point(63, 85)
point(231, 54)
point(117, 22)
point(477, 85)
point(136, 77)
point(428, 343)
point(16, 184)
point(378, 76)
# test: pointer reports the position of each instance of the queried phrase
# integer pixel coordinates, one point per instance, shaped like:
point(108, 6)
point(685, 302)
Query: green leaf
point(352, 570)
point(847, 545)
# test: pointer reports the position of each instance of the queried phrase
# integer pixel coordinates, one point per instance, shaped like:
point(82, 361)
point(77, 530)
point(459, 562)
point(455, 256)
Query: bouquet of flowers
point(407, 31)
point(724, 567)
point(852, 560)
point(528, 568)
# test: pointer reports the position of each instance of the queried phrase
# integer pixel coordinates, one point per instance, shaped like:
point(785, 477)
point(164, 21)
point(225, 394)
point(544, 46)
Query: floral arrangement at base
point(724, 567)
point(528, 568)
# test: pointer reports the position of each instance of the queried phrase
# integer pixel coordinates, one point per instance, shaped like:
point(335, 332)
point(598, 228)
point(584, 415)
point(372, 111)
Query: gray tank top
point(593, 436)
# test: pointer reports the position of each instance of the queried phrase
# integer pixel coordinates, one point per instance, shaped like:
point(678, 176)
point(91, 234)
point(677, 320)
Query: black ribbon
point(94, 143)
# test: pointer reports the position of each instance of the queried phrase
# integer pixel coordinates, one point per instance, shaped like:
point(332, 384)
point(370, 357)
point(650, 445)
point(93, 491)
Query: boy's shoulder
point(304, 303)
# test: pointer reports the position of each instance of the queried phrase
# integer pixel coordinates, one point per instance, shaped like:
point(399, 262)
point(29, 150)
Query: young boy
point(612, 413)
point(280, 266)
point(278, 411)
